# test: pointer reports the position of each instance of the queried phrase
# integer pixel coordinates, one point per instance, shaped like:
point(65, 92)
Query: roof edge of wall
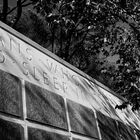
point(55, 57)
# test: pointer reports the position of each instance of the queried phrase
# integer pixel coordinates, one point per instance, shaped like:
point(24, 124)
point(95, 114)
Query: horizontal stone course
point(37, 134)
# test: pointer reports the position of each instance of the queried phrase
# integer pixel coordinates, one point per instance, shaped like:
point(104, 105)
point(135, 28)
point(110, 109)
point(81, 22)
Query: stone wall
point(29, 112)
point(44, 98)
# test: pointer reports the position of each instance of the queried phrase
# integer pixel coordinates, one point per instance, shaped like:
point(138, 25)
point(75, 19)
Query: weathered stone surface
point(108, 127)
point(10, 131)
point(138, 134)
point(82, 119)
point(76, 139)
point(83, 139)
point(10, 94)
point(37, 134)
point(126, 132)
point(45, 107)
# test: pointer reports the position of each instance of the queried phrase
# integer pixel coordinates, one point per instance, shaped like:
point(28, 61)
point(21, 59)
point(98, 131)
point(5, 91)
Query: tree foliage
point(100, 37)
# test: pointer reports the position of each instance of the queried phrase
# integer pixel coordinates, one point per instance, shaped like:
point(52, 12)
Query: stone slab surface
point(37, 134)
point(45, 107)
point(10, 131)
point(108, 127)
point(138, 134)
point(84, 139)
point(126, 132)
point(82, 119)
point(10, 94)
point(77, 139)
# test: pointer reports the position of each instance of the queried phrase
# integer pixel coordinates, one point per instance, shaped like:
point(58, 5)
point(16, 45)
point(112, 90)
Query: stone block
point(82, 119)
point(84, 139)
point(37, 134)
point(126, 132)
point(45, 107)
point(138, 134)
point(108, 127)
point(10, 94)
point(10, 131)
point(76, 139)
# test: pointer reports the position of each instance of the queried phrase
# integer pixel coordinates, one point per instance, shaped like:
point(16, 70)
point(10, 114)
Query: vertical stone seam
point(136, 135)
point(68, 119)
point(24, 109)
point(97, 124)
point(120, 136)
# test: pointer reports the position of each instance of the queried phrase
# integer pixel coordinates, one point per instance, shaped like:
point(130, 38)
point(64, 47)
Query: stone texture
point(45, 107)
point(76, 139)
point(10, 131)
point(138, 134)
point(108, 127)
point(82, 119)
point(126, 132)
point(10, 94)
point(37, 134)
point(83, 139)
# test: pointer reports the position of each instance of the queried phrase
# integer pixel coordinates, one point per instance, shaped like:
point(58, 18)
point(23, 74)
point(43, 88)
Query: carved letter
point(46, 79)
point(26, 71)
point(2, 57)
point(64, 86)
point(56, 85)
point(14, 44)
point(29, 56)
point(35, 73)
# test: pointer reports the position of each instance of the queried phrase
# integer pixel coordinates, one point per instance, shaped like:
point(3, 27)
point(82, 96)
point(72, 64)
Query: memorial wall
point(42, 97)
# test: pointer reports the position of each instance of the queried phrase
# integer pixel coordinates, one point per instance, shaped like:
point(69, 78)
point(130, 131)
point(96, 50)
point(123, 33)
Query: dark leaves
point(123, 106)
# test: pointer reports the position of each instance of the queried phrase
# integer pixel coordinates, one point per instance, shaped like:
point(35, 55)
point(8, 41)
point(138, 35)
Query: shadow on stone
point(10, 131)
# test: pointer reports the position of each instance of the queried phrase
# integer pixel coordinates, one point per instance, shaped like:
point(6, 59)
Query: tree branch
point(78, 43)
point(5, 9)
point(19, 11)
point(15, 7)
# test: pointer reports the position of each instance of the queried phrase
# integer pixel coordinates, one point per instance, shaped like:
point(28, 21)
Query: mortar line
point(97, 124)
point(68, 119)
point(24, 109)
